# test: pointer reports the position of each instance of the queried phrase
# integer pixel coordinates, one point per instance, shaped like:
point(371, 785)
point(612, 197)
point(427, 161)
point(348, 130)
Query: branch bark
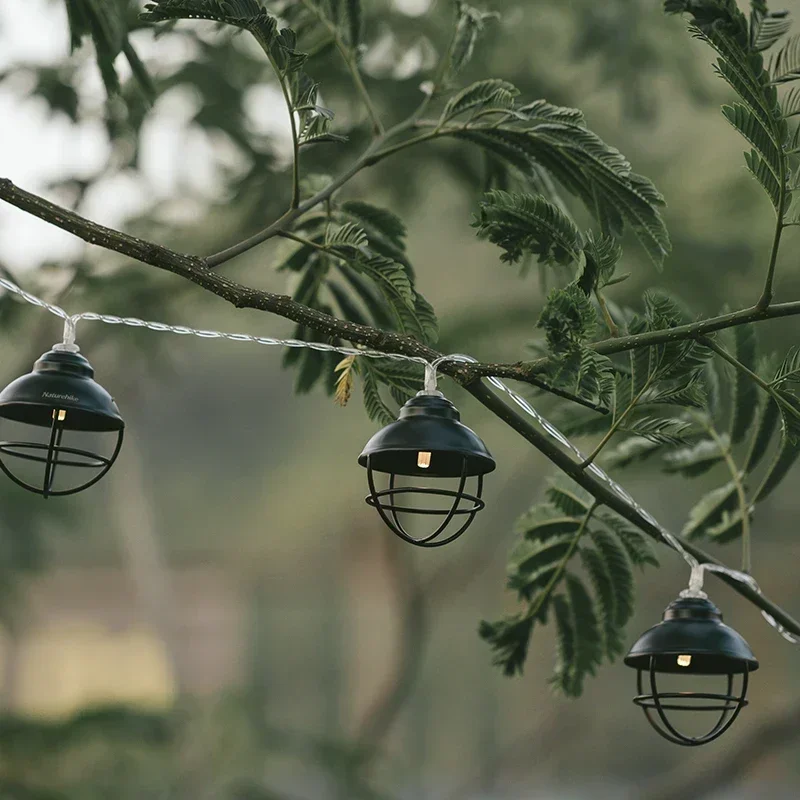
point(197, 270)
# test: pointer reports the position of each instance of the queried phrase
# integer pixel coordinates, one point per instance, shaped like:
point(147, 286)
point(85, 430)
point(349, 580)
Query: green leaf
point(348, 235)
point(580, 642)
point(789, 449)
point(588, 168)
point(631, 451)
point(522, 223)
point(767, 28)
point(568, 319)
point(605, 594)
point(689, 394)
point(745, 391)
point(470, 24)
point(619, 569)
point(696, 459)
point(426, 316)
point(249, 15)
point(105, 22)
point(509, 639)
point(542, 111)
point(638, 546)
point(729, 528)
point(791, 103)
point(764, 175)
point(491, 93)
point(660, 430)
point(543, 521)
point(789, 370)
point(757, 134)
point(535, 566)
point(767, 425)
point(377, 410)
point(784, 66)
point(568, 497)
point(354, 22)
point(709, 511)
point(385, 230)
point(602, 256)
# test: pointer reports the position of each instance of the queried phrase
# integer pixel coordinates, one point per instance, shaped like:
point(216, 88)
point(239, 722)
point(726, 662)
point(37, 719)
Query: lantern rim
point(65, 381)
point(431, 424)
point(692, 627)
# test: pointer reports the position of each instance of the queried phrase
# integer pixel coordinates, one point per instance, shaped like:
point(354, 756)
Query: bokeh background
point(223, 617)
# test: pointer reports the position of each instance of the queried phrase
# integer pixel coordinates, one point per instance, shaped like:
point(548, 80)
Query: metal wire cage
point(691, 640)
point(427, 440)
point(60, 394)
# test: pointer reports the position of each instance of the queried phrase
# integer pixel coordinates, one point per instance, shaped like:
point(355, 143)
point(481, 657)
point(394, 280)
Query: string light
point(70, 322)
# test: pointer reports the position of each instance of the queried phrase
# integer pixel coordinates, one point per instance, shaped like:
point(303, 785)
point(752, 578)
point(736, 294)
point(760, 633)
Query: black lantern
point(691, 640)
point(427, 440)
point(60, 394)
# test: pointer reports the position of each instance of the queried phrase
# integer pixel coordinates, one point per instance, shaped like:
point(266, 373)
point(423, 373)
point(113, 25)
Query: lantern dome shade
point(61, 380)
point(692, 627)
point(428, 423)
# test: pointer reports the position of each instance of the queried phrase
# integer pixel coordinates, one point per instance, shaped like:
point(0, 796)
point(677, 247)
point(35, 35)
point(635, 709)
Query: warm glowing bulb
point(684, 661)
point(424, 460)
point(62, 414)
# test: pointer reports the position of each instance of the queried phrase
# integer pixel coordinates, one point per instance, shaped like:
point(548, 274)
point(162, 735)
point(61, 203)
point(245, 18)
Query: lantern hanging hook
point(68, 340)
point(431, 380)
point(696, 580)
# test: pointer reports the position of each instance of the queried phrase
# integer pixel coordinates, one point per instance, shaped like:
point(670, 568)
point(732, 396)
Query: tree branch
point(606, 496)
point(196, 269)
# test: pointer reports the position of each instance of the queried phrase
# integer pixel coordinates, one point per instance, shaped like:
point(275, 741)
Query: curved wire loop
point(53, 458)
point(728, 705)
point(389, 512)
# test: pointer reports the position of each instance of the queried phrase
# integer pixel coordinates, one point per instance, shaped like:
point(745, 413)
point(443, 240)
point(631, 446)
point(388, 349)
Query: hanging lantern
point(59, 394)
point(427, 440)
point(691, 640)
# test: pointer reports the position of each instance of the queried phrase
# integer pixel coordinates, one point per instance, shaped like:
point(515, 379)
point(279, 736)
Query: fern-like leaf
point(745, 391)
point(709, 511)
point(580, 642)
point(697, 458)
point(520, 223)
point(509, 639)
point(487, 94)
point(789, 448)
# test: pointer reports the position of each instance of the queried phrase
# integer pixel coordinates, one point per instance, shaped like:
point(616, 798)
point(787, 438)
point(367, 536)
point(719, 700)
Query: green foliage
point(470, 24)
point(568, 319)
point(105, 22)
point(745, 391)
point(528, 224)
point(589, 625)
point(759, 117)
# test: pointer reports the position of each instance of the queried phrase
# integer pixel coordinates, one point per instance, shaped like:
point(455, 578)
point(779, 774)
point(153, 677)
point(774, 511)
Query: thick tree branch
point(196, 269)
point(607, 497)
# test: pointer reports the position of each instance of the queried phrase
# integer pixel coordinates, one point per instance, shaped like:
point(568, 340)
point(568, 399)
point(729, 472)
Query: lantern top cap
point(61, 380)
point(692, 626)
point(428, 423)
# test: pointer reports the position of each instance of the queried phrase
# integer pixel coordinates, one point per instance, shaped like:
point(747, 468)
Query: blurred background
point(223, 617)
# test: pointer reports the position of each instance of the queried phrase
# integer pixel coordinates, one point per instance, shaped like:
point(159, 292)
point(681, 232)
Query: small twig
point(351, 61)
point(736, 477)
point(616, 425)
point(608, 319)
point(766, 295)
